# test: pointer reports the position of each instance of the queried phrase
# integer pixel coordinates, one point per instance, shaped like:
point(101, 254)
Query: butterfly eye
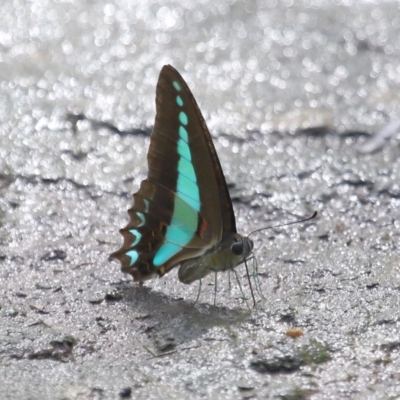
point(237, 248)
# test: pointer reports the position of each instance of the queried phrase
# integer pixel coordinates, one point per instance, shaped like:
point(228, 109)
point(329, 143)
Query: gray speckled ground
point(291, 93)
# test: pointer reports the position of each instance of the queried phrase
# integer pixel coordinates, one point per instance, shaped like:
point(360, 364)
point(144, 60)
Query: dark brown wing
point(216, 204)
point(183, 208)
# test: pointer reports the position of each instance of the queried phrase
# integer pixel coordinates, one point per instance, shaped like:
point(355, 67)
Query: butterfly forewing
point(183, 208)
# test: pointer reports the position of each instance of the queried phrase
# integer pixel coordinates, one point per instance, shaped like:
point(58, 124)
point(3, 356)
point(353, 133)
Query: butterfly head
point(242, 246)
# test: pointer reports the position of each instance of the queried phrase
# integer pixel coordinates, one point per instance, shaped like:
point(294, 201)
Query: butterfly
point(182, 213)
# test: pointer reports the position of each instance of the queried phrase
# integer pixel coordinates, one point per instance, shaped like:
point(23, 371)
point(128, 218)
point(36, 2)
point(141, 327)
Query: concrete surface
point(292, 93)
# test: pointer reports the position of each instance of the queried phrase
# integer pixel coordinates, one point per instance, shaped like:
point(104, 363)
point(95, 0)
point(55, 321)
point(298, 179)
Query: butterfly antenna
point(285, 224)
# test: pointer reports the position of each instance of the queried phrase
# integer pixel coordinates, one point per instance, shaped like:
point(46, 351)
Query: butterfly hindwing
point(145, 234)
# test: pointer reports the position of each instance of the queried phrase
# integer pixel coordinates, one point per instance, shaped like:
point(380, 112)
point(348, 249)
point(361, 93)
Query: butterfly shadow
point(171, 322)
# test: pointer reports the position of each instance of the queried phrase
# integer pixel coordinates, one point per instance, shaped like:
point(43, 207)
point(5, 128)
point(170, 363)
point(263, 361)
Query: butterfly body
point(217, 259)
point(182, 213)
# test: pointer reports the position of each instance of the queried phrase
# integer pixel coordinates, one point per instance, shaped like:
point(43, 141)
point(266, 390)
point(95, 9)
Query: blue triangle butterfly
point(182, 213)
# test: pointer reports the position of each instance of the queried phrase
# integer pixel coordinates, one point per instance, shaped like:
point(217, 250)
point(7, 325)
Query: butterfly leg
point(198, 293)
point(215, 288)
point(251, 287)
point(256, 278)
point(240, 286)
